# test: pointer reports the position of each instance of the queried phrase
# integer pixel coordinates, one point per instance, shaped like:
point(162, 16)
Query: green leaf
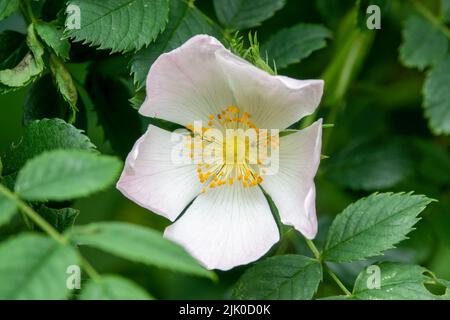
point(28, 68)
point(366, 166)
point(287, 277)
point(423, 43)
point(120, 25)
point(60, 219)
point(66, 174)
point(138, 244)
point(445, 10)
point(53, 36)
point(45, 135)
point(110, 95)
point(437, 97)
point(13, 49)
point(244, 14)
point(294, 44)
point(64, 83)
point(112, 287)
point(397, 282)
point(185, 21)
point(372, 225)
point(44, 101)
point(7, 7)
point(7, 209)
point(34, 267)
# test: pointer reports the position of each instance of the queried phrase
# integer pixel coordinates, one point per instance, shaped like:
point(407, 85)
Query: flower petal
point(153, 180)
point(226, 227)
point(187, 84)
point(274, 102)
point(292, 188)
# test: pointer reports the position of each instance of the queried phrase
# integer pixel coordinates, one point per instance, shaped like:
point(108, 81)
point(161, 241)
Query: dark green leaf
point(7, 7)
point(371, 166)
point(288, 277)
point(138, 244)
point(185, 21)
point(60, 219)
point(34, 267)
point(119, 25)
point(372, 225)
point(294, 44)
point(423, 43)
point(13, 49)
point(243, 14)
point(64, 82)
point(45, 135)
point(397, 282)
point(437, 97)
point(112, 287)
point(28, 68)
point(110, 95)
point(66, 174)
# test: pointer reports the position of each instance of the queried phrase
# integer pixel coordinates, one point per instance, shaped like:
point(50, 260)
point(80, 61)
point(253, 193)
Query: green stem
point(26, 7)
point(424, 11)
point(337, 280)
point(46, 227)
point(318, 256)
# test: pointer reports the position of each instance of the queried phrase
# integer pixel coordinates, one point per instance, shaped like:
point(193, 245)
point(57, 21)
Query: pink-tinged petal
point(292, 189)
point(274, 102)
point(187, 84)
point(226, 227)
point(152, 180)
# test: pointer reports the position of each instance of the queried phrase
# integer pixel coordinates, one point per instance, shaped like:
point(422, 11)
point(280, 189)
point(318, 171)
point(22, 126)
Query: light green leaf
point(112, 287)
point(45, 135)
point(369, 166)
point(66, 174)
point(397, 282)
point(138, 244)
point(294, 44)
point(287, 277)
point(372, 225)
point(64, 82)
point(119, 25)
point(423, 43)
point(34, 267)
point(7, 209)
point(244, 14)
point(28, 68)
point(53, 36)
point(185, 21)
point(7, 7)
point(60, 219)
point(437, 97)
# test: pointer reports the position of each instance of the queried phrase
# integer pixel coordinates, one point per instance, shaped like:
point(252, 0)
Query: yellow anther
point(212, 185)
point(239, 177)
point(203, 190)
point(245, 184)
point(211, 116)
point(259, 162)
point(230, 181)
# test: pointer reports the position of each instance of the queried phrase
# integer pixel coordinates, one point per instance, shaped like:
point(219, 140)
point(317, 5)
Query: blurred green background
point(379, 129)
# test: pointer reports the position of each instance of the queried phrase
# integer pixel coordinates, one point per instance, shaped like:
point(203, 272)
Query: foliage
point(68, 117)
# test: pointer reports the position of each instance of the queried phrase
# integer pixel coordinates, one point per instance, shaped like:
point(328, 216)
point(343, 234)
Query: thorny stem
point(318, 256)
point(46, 227)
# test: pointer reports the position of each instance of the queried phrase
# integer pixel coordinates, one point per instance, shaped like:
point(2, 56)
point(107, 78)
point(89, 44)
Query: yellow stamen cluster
point(215, 175)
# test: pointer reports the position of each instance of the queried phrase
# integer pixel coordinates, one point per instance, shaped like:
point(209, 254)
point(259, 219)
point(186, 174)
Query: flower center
point(239, 146)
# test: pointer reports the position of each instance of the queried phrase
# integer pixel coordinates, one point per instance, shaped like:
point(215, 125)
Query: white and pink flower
point(228, 221)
